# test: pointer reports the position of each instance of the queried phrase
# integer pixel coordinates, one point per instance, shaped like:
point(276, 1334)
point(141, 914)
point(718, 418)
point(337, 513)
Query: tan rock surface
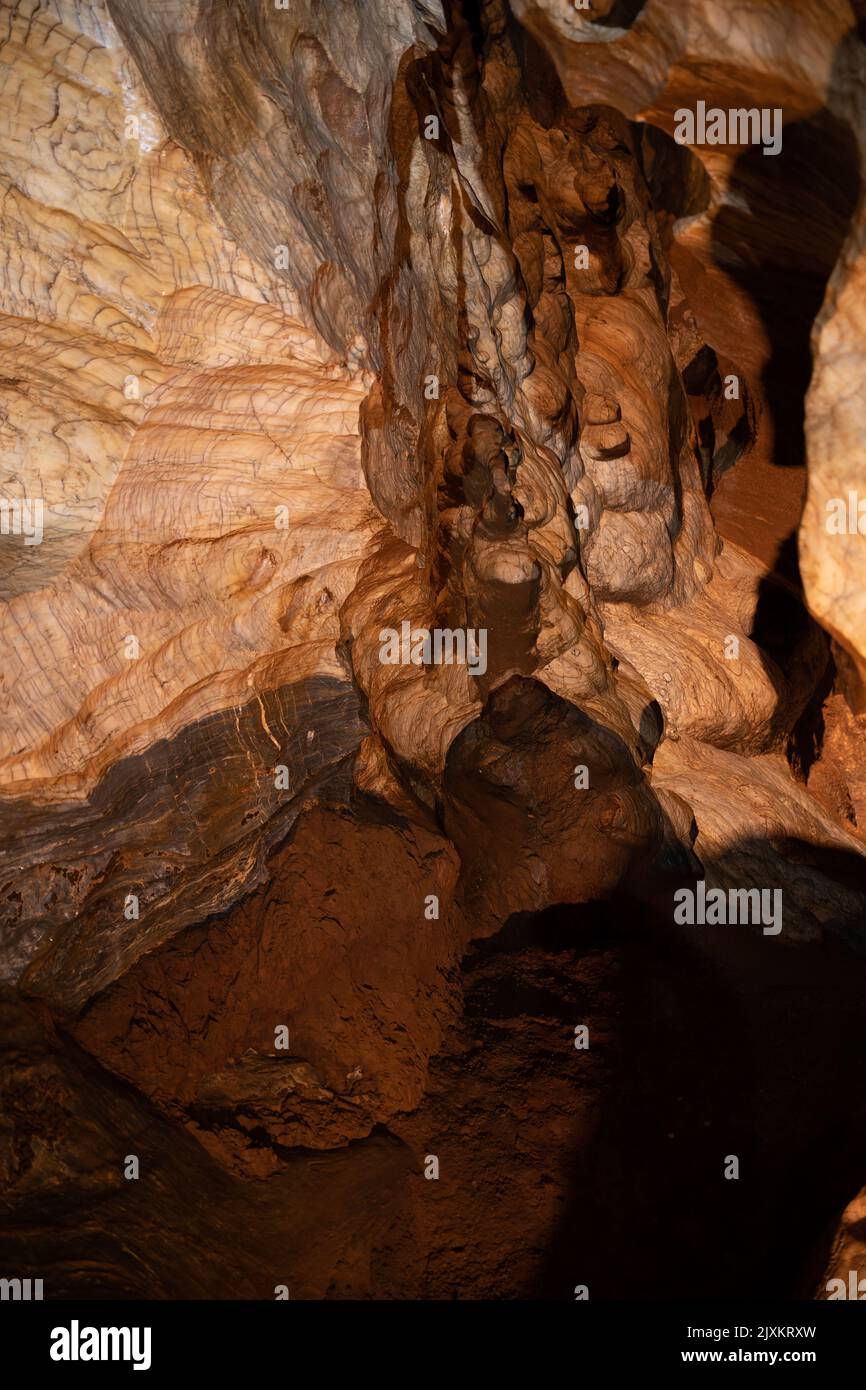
point(324, 328)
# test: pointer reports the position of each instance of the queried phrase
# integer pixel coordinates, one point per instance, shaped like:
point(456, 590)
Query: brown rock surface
point(417, 613)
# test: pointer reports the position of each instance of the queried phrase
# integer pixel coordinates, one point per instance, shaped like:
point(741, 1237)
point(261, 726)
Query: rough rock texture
point(831, 548)
point(324, 328)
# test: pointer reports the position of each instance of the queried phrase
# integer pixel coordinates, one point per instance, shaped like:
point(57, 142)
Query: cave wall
point(322, 320)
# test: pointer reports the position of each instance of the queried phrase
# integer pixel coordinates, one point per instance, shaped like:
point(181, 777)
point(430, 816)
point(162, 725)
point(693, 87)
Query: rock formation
point(409, 444)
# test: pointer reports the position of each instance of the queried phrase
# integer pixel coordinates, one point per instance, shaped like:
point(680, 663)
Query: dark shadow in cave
point(782, 250)
point(729, 1043)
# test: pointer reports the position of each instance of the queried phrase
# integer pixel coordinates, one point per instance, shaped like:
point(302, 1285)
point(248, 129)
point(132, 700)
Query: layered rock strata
point(401, 577)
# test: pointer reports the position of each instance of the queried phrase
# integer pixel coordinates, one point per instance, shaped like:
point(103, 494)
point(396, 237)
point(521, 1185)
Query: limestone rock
point(402, 472)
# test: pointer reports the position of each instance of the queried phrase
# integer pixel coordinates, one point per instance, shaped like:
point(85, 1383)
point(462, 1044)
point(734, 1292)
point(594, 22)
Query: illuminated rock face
point(398, 449)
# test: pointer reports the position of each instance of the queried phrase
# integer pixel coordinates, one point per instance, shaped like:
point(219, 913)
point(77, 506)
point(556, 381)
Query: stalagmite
point(424, 639)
